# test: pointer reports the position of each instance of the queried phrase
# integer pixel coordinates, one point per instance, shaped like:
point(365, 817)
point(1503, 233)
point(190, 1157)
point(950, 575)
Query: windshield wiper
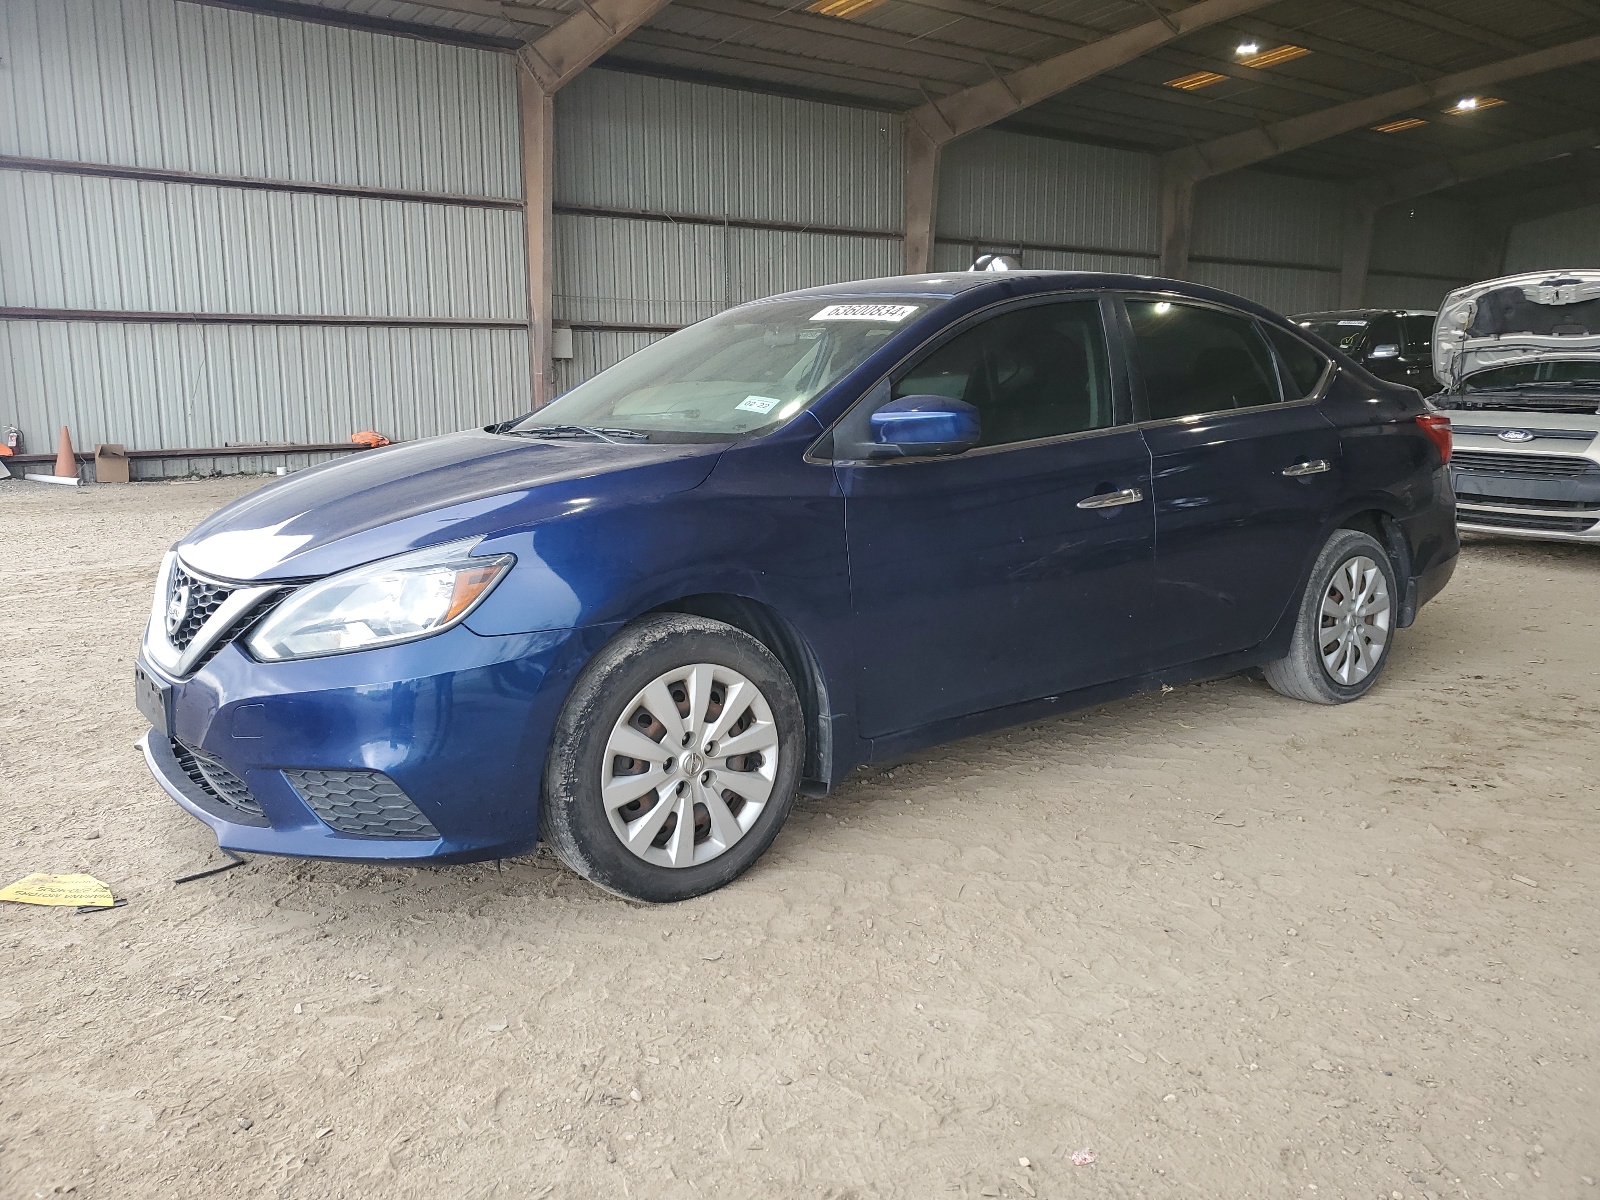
point(1560, 383)
point(615, 436)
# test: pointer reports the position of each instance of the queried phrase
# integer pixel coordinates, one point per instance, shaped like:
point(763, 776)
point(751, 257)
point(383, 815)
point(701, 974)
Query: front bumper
point(456, 726)
point(1552, 497)
point(1518, 522)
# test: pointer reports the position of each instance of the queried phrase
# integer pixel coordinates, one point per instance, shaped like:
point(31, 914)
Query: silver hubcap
point(1355, 621)
point(690, 765)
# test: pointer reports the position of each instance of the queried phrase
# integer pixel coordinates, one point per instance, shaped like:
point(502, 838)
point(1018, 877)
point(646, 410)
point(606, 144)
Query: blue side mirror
point(919, 426)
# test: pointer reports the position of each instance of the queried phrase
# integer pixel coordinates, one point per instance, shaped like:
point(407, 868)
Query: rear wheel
point(674, 761)
point(1346, 622)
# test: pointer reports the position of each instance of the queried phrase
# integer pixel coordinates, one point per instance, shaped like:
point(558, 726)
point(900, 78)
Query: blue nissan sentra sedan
point(816, 531)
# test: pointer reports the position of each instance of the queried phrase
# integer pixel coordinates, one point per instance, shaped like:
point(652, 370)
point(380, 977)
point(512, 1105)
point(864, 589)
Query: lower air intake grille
point(1533, 522)
point(1561, 465)
point(363, 803)
point(221, 784)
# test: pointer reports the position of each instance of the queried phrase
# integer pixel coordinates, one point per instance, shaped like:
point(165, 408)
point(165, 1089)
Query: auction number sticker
point(757, 404)
point(866, 312)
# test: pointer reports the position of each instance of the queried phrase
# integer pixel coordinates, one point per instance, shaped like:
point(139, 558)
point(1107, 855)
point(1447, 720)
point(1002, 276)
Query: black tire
point(573, 820)
point(1300, 674)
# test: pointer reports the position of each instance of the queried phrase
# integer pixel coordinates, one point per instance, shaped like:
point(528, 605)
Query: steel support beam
point(544, 67)
point(1357, 258)
point(538, 171)
point(1436, 176)
point(932, 126)
point(1195, 163)
point(1369, 197)
point(1530, 206)
point(920, 189)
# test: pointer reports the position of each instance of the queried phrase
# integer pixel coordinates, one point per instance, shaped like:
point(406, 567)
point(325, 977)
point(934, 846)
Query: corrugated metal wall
point(662, 167)
point(1002, 191)
point(1270, 237)
point(1421, 251)
point(79, 242)
point(1569, 239)
point(167, 86)
point(312, 315)
point(155, 83)
point(1074, 207)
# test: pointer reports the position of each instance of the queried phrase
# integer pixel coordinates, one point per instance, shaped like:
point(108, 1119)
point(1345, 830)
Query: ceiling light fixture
point(1248, 49)
point(1193, 83)
point(843, 9)
point(1400, 126)
point(1469, 104)
point(1275, 56)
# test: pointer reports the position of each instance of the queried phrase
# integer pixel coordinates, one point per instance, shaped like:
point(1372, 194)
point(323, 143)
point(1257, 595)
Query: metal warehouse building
point(233, 234)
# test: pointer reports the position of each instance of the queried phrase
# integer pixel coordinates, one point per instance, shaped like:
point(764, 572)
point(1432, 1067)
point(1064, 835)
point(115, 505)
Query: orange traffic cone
point(66, 462)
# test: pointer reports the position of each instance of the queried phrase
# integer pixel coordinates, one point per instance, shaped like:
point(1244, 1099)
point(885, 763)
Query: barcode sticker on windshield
point(758, 404)
point(866, 312)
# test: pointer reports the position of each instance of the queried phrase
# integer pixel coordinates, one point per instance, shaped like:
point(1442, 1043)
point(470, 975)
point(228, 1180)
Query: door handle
point(1315, 466)
point(1112, 499)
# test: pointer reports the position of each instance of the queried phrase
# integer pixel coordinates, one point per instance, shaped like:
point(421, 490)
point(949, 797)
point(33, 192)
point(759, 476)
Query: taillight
point(1437, 427)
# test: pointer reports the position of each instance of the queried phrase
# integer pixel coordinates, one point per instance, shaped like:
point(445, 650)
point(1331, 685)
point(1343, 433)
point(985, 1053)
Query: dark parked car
point(1395, 344)
point(815, 531)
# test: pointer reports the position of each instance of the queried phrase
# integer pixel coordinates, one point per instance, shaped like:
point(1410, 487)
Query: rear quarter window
point(1299, 365)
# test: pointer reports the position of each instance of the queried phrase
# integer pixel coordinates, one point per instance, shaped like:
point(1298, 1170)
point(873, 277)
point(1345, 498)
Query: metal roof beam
point(1372, 195)
point(587, 33)
point(951, 116)
point(1182, 169)
point(1436, 176)
point(1530, 206)
point(931, 126)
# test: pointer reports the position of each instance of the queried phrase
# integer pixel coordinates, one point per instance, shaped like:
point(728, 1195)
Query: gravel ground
point(1234, 945)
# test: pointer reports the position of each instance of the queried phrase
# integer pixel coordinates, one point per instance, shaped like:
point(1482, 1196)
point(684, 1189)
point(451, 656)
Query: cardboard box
point(110, 463)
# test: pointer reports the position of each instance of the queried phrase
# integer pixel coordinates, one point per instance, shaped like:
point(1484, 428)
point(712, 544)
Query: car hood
point(383, 502)
point(1542, 316)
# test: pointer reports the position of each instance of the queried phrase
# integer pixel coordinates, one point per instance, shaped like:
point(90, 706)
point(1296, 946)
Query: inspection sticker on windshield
point(758, 404)
point(866, 312)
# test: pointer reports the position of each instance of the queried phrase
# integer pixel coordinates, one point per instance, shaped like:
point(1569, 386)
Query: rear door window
point(1418, 334)
point(1195, 359)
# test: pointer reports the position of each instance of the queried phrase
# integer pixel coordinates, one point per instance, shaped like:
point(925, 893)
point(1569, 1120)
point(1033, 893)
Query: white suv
point(1520, 361)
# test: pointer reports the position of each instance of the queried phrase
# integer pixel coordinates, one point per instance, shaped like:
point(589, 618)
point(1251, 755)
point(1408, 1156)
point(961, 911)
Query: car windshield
point(726, 377)
point(1585, 372)
point(1342, 332)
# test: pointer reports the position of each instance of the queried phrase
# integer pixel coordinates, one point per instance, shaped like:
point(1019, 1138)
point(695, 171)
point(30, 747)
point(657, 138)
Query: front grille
point(364, 803)
point(211, 777)
point(1471, 498)
point(197, 599)
point(1534, 522)
point(1548, 465)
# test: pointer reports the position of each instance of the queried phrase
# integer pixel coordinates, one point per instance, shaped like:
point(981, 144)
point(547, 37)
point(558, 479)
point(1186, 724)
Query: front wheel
point(674, 761)
point(1341, 639)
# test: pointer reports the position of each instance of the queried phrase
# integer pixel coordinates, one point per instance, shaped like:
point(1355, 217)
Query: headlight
point(399, 599)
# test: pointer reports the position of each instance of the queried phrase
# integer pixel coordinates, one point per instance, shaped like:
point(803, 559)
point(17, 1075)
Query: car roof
point(1353, 313)
point(977, 288)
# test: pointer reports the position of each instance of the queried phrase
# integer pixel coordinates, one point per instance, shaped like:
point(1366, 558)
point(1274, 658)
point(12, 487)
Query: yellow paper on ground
point(58, 889)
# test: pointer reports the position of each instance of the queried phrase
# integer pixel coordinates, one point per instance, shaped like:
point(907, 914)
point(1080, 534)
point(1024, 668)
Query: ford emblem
point(1515, 435)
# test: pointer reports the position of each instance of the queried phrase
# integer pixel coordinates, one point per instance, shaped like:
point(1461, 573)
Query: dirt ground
point(1233, 945)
